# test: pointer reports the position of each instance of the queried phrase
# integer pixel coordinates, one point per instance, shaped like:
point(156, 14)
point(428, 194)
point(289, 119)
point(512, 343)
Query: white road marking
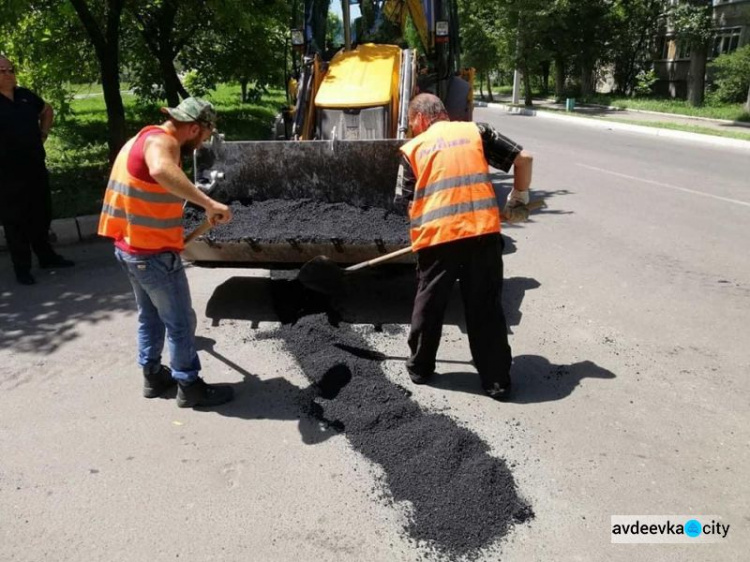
point(670, 186)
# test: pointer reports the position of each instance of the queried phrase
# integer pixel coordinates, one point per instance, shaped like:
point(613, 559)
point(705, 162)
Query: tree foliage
point(733, 75)
point(634, 24)
point(43, 43)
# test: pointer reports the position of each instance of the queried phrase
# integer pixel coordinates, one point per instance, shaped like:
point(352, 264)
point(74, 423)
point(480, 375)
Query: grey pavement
point(627, 300)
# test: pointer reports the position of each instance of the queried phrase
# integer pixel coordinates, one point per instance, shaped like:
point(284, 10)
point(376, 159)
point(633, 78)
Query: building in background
point(672, 59)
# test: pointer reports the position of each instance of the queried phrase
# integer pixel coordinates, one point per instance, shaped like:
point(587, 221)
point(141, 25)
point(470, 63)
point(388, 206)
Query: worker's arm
point(46, 117)
point(522, 166)
point(162, 153)
point(405, 183)
point(504, 153)
point(499, 150)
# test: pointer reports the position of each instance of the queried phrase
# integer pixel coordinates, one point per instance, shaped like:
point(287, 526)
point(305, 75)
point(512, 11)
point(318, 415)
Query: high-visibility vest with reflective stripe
point(143, 214)
point(453, 197)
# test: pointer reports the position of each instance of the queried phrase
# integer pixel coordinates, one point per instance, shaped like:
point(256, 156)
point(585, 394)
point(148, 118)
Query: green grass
point(688, 128)
point(77, 146)
point(734, 134)
point(729, 111)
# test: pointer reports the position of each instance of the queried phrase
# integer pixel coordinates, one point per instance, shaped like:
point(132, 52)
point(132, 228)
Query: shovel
point(324, 275)
point(203, 227)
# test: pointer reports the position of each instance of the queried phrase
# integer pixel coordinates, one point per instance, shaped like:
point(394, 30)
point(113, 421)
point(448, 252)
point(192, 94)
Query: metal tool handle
point(204, 227)
point(381, 259)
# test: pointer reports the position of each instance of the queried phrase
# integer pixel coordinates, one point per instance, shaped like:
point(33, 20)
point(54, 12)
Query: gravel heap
point(462, 498)
point(306, 220)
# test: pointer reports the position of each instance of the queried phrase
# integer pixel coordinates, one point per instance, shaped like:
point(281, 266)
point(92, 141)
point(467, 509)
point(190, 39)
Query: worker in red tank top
point(142, 212)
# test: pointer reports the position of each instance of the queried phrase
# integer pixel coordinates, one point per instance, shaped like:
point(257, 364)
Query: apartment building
point(672, 62)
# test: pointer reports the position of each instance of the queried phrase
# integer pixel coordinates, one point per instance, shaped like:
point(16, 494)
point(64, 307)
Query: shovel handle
point(204, 227)
point(381, 259)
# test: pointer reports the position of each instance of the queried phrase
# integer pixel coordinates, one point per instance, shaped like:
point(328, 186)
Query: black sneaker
point(55, 260)
point(500, 393)
point(25, 278)
point(156, 384)
point(201, 395)
point(417, 378)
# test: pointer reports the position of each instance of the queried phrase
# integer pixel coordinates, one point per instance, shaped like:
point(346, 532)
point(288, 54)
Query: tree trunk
point(559, 79)
point(527, 101)
point(481, 88)
point(110, 71)
point(489, 87)
point(586, 81)
point(545, 77)
point(173, 87)
point(696, 80)
point(107, 48)
point(747, 105)
point(243, 88)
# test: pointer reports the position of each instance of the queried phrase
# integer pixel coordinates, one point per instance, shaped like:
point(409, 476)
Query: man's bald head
point(424, 110)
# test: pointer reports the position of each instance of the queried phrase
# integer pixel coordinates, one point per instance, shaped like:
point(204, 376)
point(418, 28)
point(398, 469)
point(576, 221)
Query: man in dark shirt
point(462, 248)
point(25, 204)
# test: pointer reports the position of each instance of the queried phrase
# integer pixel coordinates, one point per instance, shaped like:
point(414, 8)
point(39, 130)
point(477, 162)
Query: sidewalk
point(67, 231)
point(634, 115)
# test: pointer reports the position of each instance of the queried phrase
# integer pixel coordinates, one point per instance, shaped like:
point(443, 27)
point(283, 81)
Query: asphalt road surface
point(628, 300)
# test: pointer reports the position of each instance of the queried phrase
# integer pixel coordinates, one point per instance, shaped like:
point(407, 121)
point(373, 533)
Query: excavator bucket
point(332, 177)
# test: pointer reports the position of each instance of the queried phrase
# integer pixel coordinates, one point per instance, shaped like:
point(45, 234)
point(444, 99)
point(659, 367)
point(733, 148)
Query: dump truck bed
point(293, 201)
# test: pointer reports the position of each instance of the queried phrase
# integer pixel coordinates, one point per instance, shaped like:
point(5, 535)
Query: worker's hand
point(218, 213)
point(516, 198)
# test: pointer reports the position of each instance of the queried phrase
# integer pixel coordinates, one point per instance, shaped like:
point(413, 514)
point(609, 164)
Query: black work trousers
point(477, 263)
point(26, 216)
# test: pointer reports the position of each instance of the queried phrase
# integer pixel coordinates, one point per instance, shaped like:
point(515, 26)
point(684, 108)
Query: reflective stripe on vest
point(143, 214)
point(450, 183)
point(451, 210)
point(151, 197)
point(138, 220)
point(453, 196)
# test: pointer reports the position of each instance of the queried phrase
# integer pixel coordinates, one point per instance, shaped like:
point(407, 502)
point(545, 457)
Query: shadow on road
point(503, 184)
point(535, 379)
point(378, 297)
point(43, 317)
point(271, 399)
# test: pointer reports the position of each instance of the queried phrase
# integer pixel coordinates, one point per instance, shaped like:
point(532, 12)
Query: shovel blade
point(323, 275)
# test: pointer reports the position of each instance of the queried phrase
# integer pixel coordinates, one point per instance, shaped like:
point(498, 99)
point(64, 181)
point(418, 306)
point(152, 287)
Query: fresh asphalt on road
point(628, 301)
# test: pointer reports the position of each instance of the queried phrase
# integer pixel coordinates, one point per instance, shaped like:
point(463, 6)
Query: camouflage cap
point(193, 110)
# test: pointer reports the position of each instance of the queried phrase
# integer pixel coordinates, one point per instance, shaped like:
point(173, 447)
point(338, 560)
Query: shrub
point(644, 83)
point(732, 75)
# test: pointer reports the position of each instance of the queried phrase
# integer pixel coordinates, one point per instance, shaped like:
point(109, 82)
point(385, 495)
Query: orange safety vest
point(143, 214)
point(454, 197)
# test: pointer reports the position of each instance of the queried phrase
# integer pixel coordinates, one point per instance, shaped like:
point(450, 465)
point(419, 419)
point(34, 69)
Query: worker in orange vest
point(142, 212)
point(455, 231)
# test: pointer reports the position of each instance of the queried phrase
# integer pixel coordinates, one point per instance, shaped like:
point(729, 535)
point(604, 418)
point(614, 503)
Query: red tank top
point(137, 162)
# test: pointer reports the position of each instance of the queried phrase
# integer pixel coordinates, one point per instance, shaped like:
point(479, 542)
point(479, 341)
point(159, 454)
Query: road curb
point(67, 231)
point(603, 123)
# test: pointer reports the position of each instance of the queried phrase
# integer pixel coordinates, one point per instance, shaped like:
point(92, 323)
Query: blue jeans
point(164, 306)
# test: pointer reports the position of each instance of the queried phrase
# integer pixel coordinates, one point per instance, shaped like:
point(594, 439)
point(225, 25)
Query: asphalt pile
point(461, 498)
point(306, 220)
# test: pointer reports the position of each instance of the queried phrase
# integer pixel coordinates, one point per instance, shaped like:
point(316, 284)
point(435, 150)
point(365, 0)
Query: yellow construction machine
point(352, 77)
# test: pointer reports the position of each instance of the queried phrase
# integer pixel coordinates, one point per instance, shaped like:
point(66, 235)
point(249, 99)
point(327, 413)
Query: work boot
point(198, 394)
point(25, 278)
point(156, 384)
point(417, 378)
point(55, 260)
point(499, 393)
